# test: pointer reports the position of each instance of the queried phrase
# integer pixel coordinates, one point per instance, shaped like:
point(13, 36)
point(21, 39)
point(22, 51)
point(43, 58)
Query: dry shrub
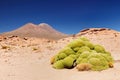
point(5, 47)
point(84, 67)
point(34, 48)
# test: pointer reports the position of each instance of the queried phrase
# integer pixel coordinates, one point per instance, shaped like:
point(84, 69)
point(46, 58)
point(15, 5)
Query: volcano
point(42, 30)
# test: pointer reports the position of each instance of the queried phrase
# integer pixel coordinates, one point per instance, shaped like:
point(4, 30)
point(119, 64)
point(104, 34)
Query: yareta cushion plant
point(83, 55)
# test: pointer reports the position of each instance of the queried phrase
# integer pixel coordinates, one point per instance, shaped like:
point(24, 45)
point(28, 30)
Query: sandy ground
point(29, 60)
point(24, 65)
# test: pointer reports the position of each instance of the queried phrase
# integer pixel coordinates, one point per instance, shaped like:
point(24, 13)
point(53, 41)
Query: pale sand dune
point(29, 59)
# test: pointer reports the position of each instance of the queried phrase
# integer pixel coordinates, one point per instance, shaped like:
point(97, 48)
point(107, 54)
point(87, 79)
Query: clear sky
point(67, 16)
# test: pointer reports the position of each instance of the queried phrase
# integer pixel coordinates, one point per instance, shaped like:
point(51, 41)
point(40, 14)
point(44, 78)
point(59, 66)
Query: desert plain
point(28, 58)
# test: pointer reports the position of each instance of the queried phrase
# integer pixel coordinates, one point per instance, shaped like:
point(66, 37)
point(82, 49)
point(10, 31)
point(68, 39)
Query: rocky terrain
point(28, 58)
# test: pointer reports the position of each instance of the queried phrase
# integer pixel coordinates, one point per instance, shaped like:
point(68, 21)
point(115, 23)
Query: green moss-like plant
point(62, 55)
point(73, 56)
point(83, 55)
point(89, 44)
point(98, 62)
point(99, 48)
point(68, 62)
point(93, 51)
point(76, 49)
point(82, 49)
point(76, 43)
point(107, 57)
point(56, 58)
point(67, 51)
point(58, 64)
point(79, 59)
point(83, 38)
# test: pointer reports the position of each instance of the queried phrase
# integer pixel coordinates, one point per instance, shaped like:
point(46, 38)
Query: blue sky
point(67, 16)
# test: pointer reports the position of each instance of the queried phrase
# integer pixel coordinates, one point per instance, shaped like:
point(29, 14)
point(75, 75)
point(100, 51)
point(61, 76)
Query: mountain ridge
point(42, 30)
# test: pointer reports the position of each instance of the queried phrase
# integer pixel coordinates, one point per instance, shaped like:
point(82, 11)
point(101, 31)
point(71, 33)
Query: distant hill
point(42, 30)
point(91, 31)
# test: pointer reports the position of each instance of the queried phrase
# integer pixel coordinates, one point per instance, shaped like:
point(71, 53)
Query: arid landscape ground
point(28, 58)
